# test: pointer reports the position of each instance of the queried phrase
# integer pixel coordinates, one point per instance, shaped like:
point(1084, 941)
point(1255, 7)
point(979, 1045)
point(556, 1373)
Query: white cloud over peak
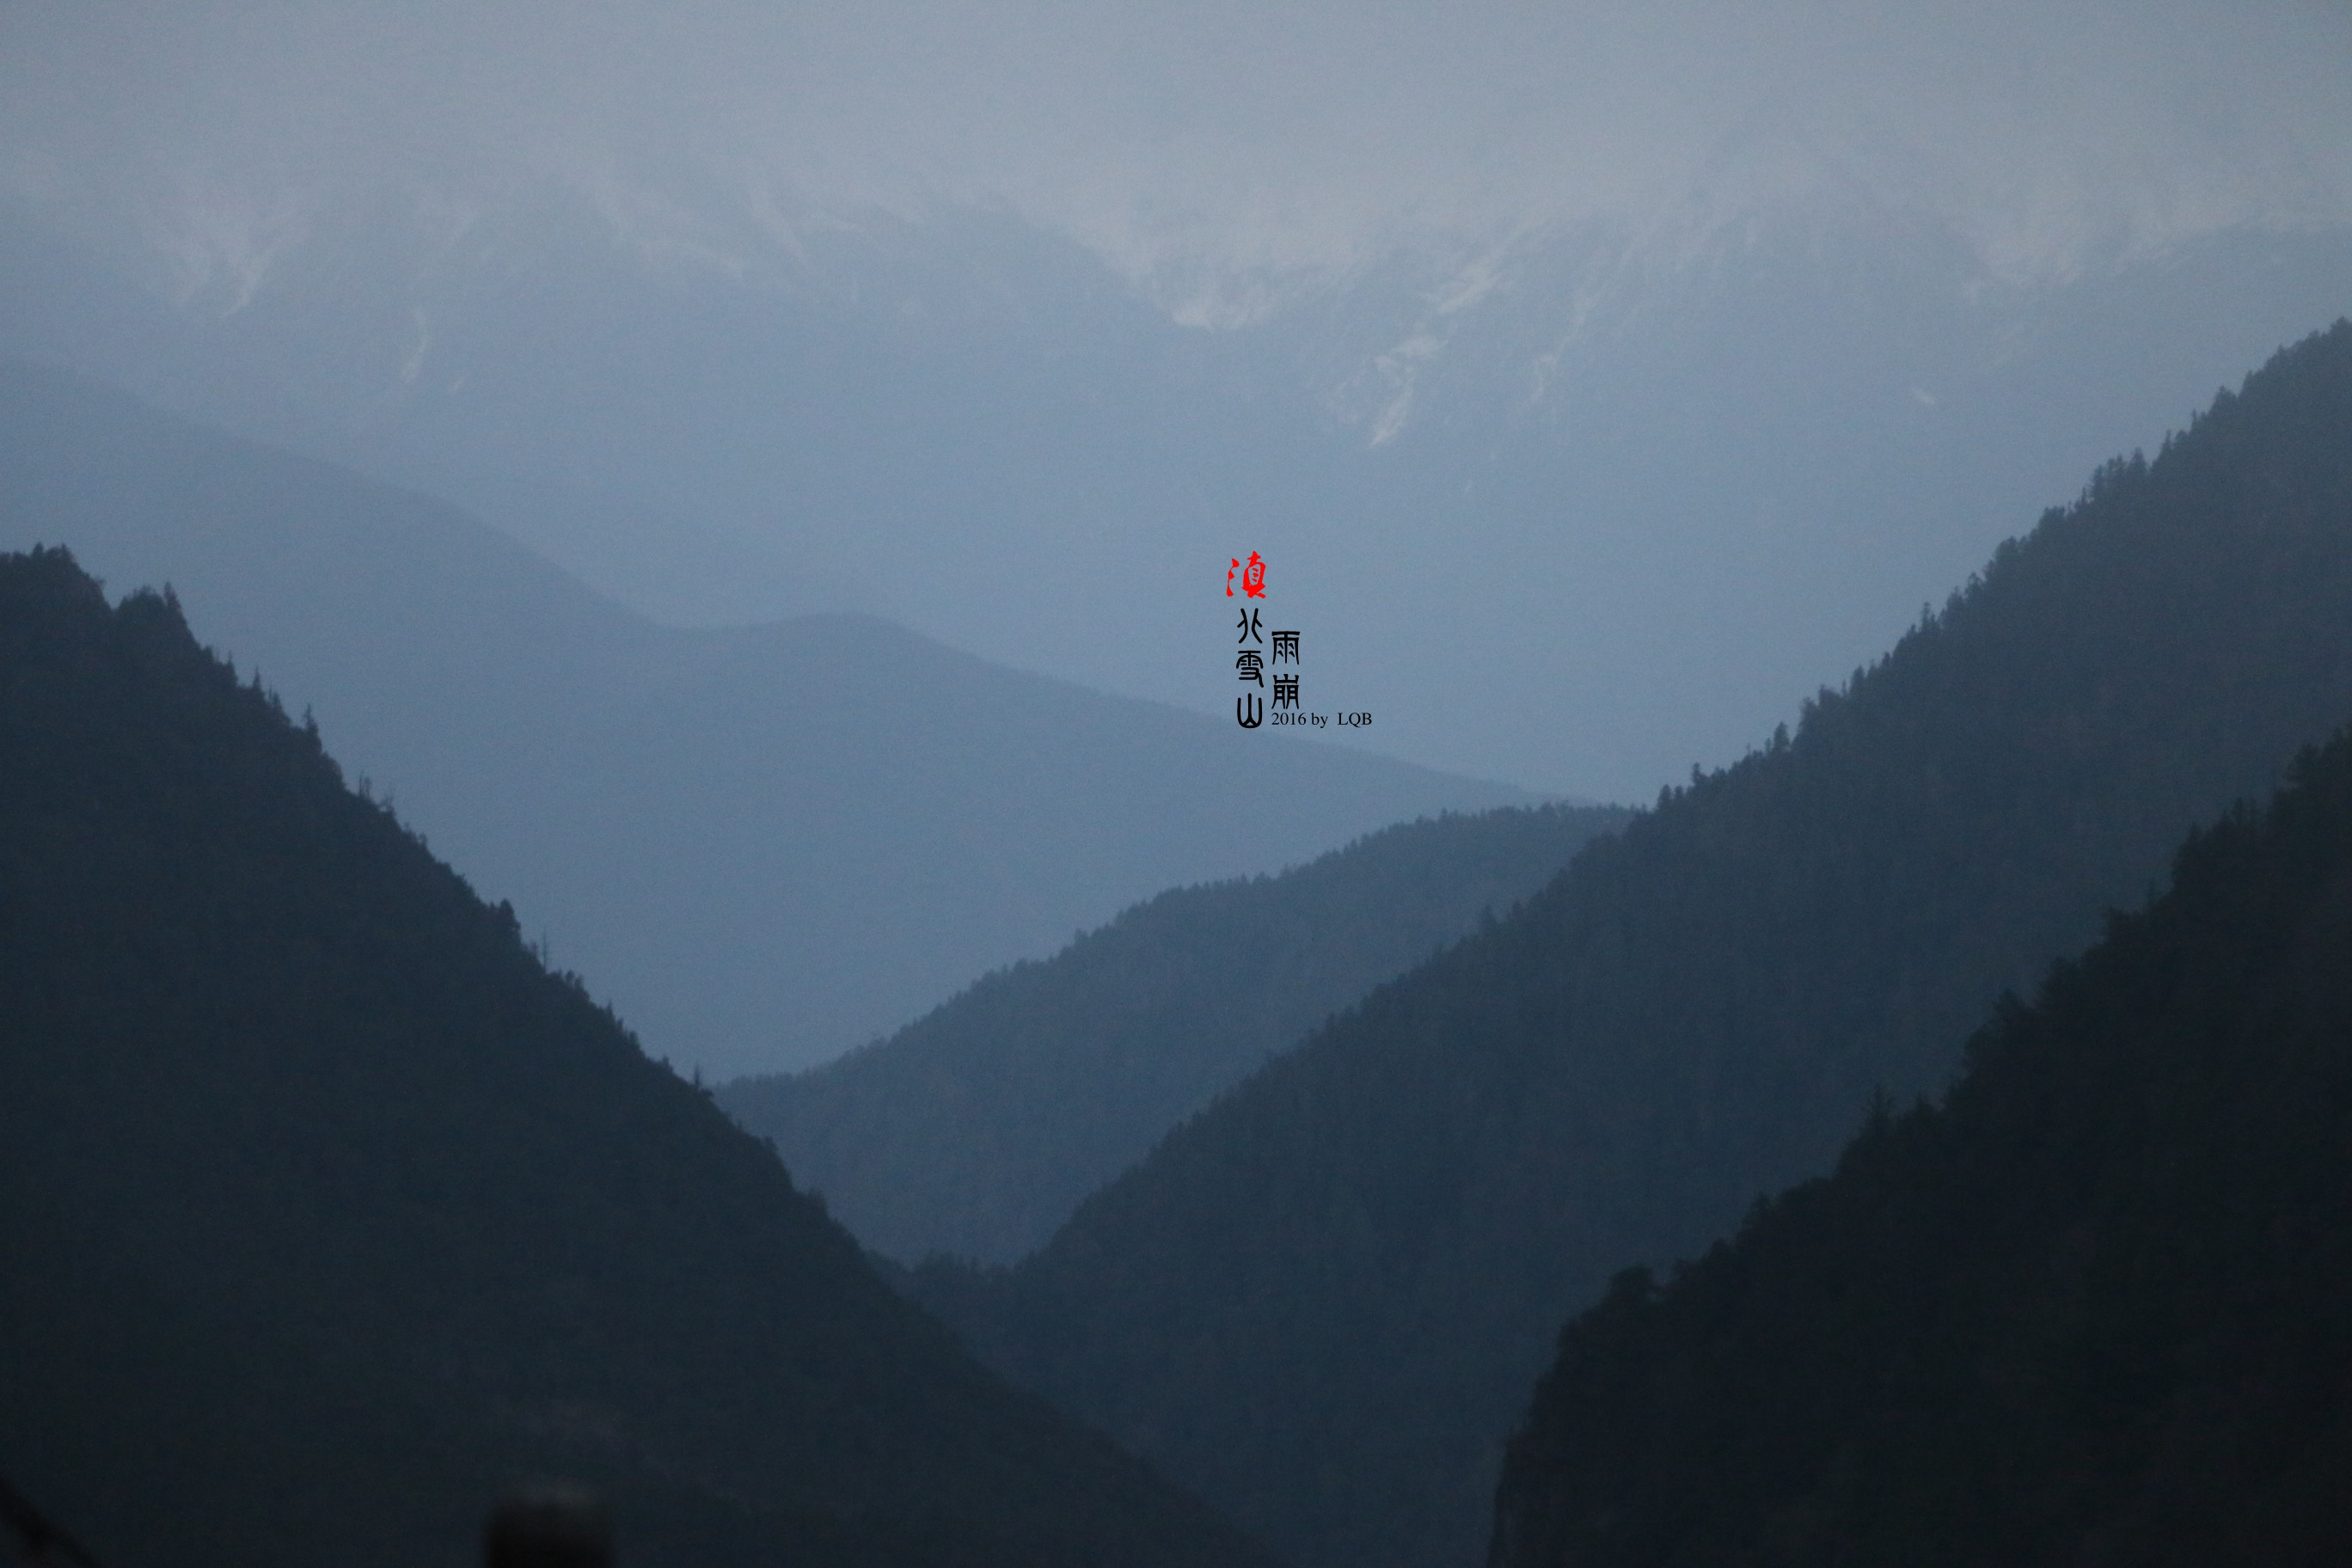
point(1221, 155)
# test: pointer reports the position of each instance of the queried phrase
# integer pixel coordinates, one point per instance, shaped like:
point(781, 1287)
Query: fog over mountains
point(745, 495)
point(975, 1131)
point(765, 844)
point(1593, 383)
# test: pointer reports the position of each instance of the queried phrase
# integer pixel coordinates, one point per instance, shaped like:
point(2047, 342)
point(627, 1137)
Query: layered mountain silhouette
point(976, 1129)
point(2088, 1308)
point(1571, 505)
point(1322, 1302)
point(330, 1212)
point(765, 844)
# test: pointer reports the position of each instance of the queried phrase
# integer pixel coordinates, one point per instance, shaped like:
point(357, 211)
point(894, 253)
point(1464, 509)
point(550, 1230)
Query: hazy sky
point(1295, 134)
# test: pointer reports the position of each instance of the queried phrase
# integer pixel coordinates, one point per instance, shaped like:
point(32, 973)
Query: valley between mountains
point(1923, 1139)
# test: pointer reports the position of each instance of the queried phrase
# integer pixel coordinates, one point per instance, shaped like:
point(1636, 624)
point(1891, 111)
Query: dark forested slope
point(2094, 1308)
point(976, 1129)
point(327, 1211)
point(1321, 1301)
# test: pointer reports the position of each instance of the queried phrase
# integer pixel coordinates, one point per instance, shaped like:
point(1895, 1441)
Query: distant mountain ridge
point(1321, 1302)
point(1632, 479)
point(766, 845)
point(330, 1213)
point(976, 1129)
point(2087, 1307)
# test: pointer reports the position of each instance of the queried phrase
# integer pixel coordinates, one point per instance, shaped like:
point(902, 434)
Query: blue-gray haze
point(762, 844)
point(1599, 380)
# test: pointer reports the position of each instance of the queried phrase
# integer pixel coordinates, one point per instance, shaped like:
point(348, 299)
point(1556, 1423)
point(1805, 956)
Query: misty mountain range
point(1318, 1300)
point(1467, 459)
point(643, 544)
point(766, 843)
point(283, 1088)
point(976, 1129)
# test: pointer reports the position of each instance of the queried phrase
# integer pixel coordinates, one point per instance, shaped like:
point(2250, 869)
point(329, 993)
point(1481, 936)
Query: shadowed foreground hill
point(975, 1131)
point(1321, 1302)
point(2094, 1308)
point(328, 1212)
